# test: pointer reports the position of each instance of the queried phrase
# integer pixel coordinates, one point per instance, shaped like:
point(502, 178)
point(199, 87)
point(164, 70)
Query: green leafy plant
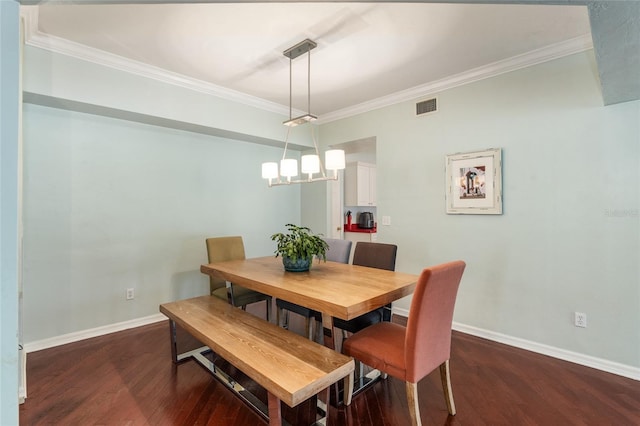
point(300, 243)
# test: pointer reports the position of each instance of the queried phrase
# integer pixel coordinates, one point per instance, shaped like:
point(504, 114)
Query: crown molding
point(534, 57)
point(35, 38)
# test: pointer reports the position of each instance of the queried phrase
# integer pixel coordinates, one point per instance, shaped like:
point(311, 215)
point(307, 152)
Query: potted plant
point(298, 246)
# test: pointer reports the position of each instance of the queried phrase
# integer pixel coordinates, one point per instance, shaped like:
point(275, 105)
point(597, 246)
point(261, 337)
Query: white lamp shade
point(289, 167)
point(310, 164)
point(334, 159)
point(269, 170)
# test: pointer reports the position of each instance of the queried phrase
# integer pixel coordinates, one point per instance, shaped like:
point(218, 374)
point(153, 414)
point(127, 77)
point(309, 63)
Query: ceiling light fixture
point(310, 164)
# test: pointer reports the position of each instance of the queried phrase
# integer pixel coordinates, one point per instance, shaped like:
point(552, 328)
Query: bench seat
point(290, 367)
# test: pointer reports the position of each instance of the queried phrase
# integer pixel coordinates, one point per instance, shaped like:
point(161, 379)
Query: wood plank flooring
point(127, 378)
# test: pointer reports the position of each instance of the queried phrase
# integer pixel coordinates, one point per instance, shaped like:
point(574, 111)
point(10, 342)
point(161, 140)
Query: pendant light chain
point(290, 90)
point(308, 80)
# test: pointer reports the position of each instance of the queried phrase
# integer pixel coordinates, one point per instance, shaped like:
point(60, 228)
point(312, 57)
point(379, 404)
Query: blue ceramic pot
point(299, 265)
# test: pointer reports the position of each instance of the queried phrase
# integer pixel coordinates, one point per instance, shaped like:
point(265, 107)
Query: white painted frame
point(481, 195)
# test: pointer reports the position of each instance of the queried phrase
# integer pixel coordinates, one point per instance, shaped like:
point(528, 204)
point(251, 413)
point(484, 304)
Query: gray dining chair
point(221, 249)
point(372, 255)
point(339, 251)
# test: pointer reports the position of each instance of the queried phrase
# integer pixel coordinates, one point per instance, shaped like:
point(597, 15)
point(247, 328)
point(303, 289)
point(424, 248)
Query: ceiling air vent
point(427, 107)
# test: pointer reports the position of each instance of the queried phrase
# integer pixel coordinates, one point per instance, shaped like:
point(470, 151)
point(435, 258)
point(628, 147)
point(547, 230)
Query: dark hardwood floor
point(127, 378)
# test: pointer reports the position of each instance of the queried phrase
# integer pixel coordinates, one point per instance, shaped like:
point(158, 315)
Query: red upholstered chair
point(410, 353)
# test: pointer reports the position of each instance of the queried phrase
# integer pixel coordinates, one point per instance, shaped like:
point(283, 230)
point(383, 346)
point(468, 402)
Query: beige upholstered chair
point(410, 353)
point(221, 249)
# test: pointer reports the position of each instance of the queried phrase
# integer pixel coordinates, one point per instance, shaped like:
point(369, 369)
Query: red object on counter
point(355, 228)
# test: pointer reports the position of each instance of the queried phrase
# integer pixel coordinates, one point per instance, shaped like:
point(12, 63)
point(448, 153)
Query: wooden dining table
point(337, 290)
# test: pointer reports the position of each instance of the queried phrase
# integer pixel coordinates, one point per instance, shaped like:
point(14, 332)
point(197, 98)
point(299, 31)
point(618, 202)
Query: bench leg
point(275, 414)
point(323, 404)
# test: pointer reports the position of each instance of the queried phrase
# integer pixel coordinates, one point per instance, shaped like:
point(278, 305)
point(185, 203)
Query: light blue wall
point(64, 77)
point(110, 204)
point(9, 98)
point(314, 204)
point(107, 201)
point(569, 238)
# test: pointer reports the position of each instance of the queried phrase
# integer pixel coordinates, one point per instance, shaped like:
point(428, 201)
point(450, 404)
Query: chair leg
point(412, 399)
point(308, 326)
point(312, 330)
point(319, 331)
point(286, 317)
point(280, 313)
point(359, 369)
point(230, 295)
point(269, 309)
point(445, 376)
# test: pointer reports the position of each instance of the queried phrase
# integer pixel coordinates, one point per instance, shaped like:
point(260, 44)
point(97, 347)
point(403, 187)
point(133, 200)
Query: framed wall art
point(474, 182)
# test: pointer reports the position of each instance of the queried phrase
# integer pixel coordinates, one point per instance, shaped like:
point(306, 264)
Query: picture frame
point(473, 182)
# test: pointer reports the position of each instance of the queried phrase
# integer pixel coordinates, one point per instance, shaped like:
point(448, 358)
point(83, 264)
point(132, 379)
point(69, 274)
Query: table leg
point(329, 335)
point(322, 406)
point(173, 339)
point(348, 388)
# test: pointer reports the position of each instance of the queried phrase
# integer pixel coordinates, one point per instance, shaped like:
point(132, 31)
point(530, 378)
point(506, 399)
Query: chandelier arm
point(315, 144)
point(286, 143)
point(290, 182)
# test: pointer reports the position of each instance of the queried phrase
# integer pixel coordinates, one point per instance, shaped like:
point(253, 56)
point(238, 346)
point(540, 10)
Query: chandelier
point(310, 164)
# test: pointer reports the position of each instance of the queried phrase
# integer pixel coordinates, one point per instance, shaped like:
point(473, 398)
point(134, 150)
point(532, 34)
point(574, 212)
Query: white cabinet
point(360, 184)
point(369, 237)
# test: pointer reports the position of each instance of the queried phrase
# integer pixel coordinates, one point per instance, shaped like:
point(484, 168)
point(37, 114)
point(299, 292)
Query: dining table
point(336, 290)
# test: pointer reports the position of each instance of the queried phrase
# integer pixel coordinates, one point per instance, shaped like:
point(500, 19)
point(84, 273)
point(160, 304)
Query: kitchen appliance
point(365, 220)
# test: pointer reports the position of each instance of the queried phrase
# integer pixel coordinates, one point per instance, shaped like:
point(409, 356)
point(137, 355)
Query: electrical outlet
point(130, 294)
point(580, 319)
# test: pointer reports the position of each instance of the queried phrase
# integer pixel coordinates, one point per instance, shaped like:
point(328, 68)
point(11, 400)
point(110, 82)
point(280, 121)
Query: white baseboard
point(39, 345)
point(22, 389)
point(575, 357)
point(563, 354)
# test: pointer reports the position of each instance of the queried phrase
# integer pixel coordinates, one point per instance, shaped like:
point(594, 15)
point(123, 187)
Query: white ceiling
point(366, 51)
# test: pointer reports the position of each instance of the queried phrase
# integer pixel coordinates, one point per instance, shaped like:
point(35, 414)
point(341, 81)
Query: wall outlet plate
point(130, 294)
point(580, 319)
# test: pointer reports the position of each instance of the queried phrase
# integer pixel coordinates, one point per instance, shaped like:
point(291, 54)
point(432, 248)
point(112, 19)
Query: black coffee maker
point(365, 220)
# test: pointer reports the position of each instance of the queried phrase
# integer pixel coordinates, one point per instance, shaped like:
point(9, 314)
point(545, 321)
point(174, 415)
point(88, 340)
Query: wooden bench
point(289, 367)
